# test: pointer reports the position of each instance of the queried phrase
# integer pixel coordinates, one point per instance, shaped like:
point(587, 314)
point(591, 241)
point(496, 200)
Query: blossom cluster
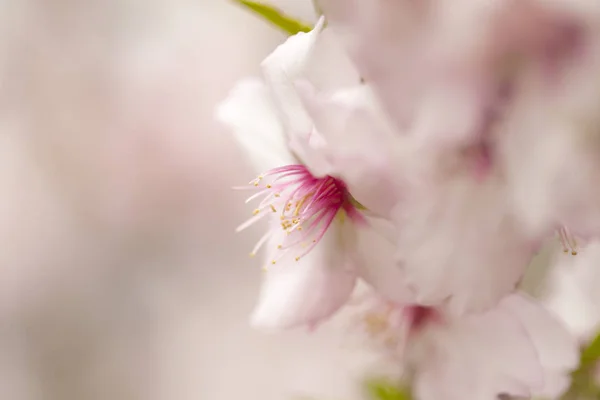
point(428, 150)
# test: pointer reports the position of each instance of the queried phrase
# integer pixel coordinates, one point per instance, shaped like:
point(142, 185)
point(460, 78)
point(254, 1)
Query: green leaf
point(382, 390)
point(276, 17)
point(583, 378)
point(591, 354)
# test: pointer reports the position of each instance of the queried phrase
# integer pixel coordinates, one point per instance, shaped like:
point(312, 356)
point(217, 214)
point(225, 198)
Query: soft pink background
point(122, 277)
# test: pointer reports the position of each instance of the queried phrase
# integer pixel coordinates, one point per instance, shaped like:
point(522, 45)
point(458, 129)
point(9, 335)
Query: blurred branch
point(274, 16)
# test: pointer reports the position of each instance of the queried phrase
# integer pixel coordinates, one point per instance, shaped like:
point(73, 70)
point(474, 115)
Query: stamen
point(256, 195)
point(389, 326)
point(568, 241)
point(260, 243)
point(320, 235)
point(308, 206)
point(250, 222)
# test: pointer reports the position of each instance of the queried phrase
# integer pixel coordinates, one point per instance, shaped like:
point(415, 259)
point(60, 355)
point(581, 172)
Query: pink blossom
point(514, 83)
point(315, 244)
point(516, 348)
point(453, 79)
point(459, 244)
point(553, 120)
point(445, 70)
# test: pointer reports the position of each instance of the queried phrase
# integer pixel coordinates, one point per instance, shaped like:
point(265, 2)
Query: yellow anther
point(574, 253)
point(391, 341)
point(300, 203)
point(279, 246)
point(269, 186)
point(299, 228)
point(273, 208)
point(252, 254)
point(255, 181)
point(376, 323)
point(297, 258)
point(255, 212)
point(277, 195)
point(274, 262)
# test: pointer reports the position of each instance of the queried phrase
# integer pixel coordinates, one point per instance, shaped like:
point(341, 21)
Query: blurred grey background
point(122, 277)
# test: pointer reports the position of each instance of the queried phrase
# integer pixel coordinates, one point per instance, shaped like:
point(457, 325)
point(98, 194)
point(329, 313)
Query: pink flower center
point(306, 206)
point(418, 316)
point(392, 326)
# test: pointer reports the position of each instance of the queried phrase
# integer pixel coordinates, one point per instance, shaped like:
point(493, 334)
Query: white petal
point(305, 292)
point(248, 111)
point(551, 145)
point(478, 357)
point(557, 349)
point(375, 255)
point(329, 67)
point(573, 293)
point(360, 142)
point(546, 191)
point(281, 68)
point(556, 346)
point(381, 37)
point(313, 151)
point(314, 56)
point(459, 243)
